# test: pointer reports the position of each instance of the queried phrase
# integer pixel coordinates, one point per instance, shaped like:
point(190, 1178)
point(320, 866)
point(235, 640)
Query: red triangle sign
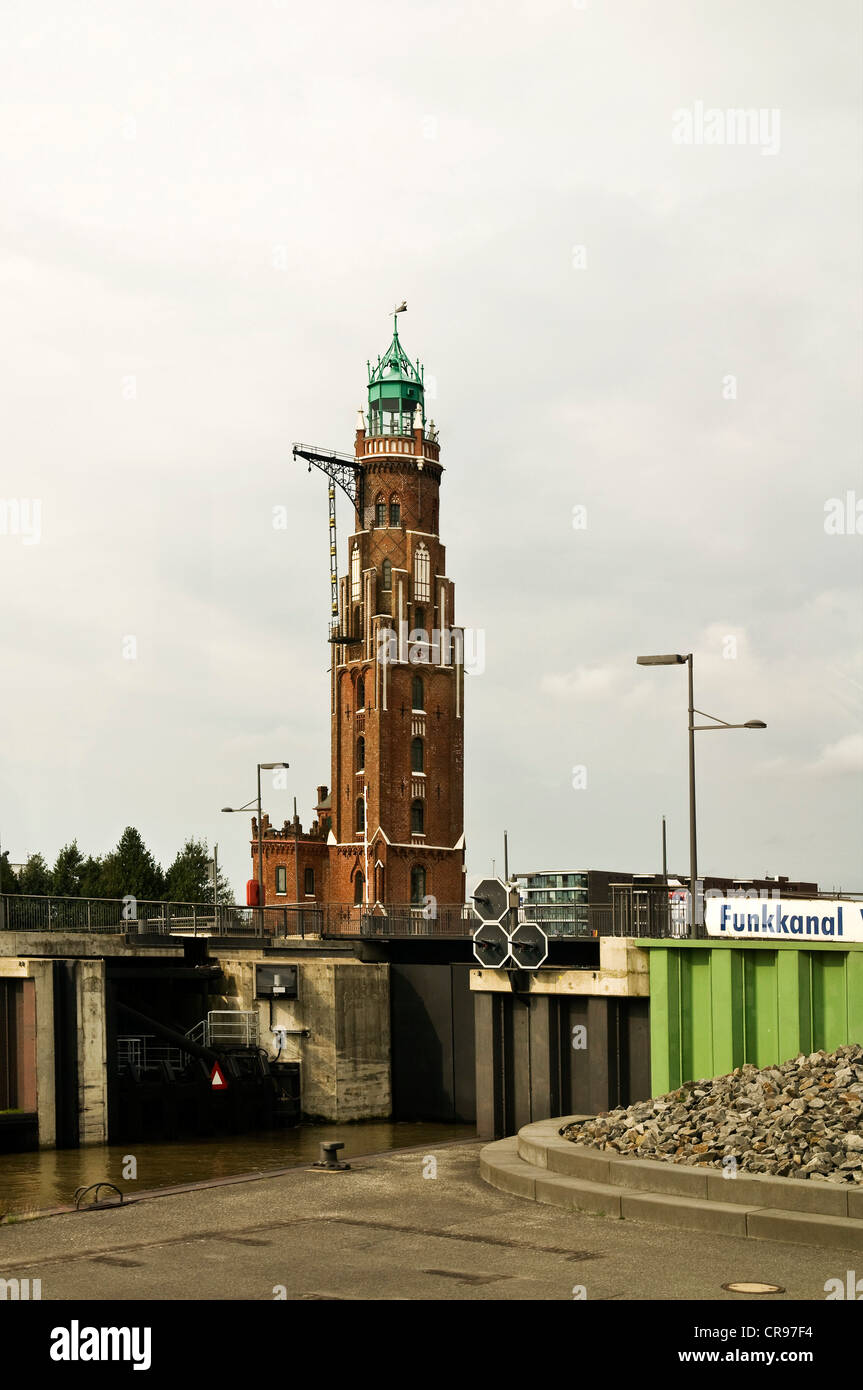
point(217, 1080)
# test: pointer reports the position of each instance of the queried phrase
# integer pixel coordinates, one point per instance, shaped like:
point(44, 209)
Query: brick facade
point(396, 703)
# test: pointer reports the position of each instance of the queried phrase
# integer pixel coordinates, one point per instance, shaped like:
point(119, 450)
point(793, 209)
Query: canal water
point(50, 1177)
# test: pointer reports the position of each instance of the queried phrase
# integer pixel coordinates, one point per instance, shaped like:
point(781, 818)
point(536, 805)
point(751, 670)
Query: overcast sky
point(208, 210)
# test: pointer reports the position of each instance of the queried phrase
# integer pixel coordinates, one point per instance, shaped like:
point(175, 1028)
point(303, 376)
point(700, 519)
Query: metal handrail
point(634, 910)
point(146, 917)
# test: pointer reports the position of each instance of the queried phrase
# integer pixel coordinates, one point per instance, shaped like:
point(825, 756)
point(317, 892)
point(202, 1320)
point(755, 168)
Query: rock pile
point(803, 1119)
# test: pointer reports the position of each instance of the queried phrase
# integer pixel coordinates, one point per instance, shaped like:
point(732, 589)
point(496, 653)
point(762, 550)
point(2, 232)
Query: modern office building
point(570, 902)
point(593, 902)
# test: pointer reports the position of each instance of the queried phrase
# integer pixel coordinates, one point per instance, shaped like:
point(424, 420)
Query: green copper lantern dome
point(395, 390)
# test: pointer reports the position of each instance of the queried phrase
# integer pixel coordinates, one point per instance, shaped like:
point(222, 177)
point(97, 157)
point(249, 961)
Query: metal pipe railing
point(634, 910)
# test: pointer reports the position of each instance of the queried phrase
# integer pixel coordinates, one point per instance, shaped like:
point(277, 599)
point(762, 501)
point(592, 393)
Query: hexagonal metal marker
point(491, 945)
point(528, 946)
point(491, 899)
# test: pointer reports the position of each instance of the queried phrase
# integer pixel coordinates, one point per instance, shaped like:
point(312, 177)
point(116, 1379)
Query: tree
point(90, 877)
point(131, 870)
point(66, 875)
point(8, 878)
point(188, 877)
point(35, 877)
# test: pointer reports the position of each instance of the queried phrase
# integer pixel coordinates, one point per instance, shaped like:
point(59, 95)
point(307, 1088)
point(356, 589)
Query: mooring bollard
point(329, 1160)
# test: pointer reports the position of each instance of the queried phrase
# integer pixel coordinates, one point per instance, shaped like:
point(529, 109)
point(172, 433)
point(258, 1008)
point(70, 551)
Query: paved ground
point(384, 1231)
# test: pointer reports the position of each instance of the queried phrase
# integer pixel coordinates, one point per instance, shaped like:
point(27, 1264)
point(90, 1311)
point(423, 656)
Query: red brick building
point(390, 828)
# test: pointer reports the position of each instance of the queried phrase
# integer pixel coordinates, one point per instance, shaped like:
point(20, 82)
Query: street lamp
point(675, 659)
point(267, 767)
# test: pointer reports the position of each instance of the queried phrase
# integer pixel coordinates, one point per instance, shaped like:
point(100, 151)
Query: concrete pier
point(54, 988)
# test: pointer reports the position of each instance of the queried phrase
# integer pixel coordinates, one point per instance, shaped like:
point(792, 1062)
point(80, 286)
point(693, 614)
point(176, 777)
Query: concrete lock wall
point(714, 1006)
point(344, 1005)
point(565, 1042)
point(92, 1059)
point(433, 1059)
point(65, 1066)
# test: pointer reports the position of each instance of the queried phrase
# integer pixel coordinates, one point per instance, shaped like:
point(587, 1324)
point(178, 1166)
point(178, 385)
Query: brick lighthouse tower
point(391, 830)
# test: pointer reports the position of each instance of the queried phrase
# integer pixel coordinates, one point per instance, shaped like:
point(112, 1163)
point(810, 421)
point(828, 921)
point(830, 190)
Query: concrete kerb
point(538, 1164)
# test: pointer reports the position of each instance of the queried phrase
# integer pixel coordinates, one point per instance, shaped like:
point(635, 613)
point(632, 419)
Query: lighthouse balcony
point(394, 442)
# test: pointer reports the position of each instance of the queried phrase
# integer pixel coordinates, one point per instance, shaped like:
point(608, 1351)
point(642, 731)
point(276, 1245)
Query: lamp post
point(675, 659)
point(231, 809)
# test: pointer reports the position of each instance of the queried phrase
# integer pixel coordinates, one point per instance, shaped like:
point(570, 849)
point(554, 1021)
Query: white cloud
point(843, 757)
point(142, 206)
point(585, 683)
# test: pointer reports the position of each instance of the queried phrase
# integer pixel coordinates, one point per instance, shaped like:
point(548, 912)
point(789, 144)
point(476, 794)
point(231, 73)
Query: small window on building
point(309, 882)
point(395, 513)
point(418, 885)
point(417, 755)
point(420, 619)
point(281, 879)
point(380, 513)
point(418, 818)
point(361, 814)
point(361, 694)
point(361, 754)
point(387, 575)
point(422, 575)
point(356, 591)
point(417, 693)
point(359, 885)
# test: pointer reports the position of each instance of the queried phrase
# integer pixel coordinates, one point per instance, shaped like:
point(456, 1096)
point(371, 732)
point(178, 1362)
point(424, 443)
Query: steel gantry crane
point(344, 471)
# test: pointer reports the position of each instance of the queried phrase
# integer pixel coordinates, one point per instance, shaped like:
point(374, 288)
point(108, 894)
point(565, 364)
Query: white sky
point(223, 200)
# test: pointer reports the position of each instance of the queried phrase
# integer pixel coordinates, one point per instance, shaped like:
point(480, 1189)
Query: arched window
point(422, 575)
point(417, 755)
point(359, 885)
point(380, 511)
point(418, 885)
point(355, 575)
point(361, 814)
point(361, 694)
point(417, 693)
point(387, 575)
point(395, 512)
point(361, 753)
point(418, 818)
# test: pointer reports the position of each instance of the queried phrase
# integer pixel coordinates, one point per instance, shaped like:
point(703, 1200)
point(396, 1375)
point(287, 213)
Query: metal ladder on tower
point(343, 471)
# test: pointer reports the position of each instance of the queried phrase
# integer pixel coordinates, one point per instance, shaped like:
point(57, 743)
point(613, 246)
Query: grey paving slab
point(386, 1233)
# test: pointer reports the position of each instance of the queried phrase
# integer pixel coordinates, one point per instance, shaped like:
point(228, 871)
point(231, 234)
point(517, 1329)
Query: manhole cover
point(744, 1287)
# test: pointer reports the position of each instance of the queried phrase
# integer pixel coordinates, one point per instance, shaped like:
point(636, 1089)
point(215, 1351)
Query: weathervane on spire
point(399, 309)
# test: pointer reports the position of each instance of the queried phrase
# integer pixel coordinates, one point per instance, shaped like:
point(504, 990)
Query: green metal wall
point(716, 1005)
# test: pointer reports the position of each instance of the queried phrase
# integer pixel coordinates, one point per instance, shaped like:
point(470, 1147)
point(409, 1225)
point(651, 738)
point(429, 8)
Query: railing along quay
point(654, 911)
point(399, 920)
point(141, 918)
point(136, 916)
